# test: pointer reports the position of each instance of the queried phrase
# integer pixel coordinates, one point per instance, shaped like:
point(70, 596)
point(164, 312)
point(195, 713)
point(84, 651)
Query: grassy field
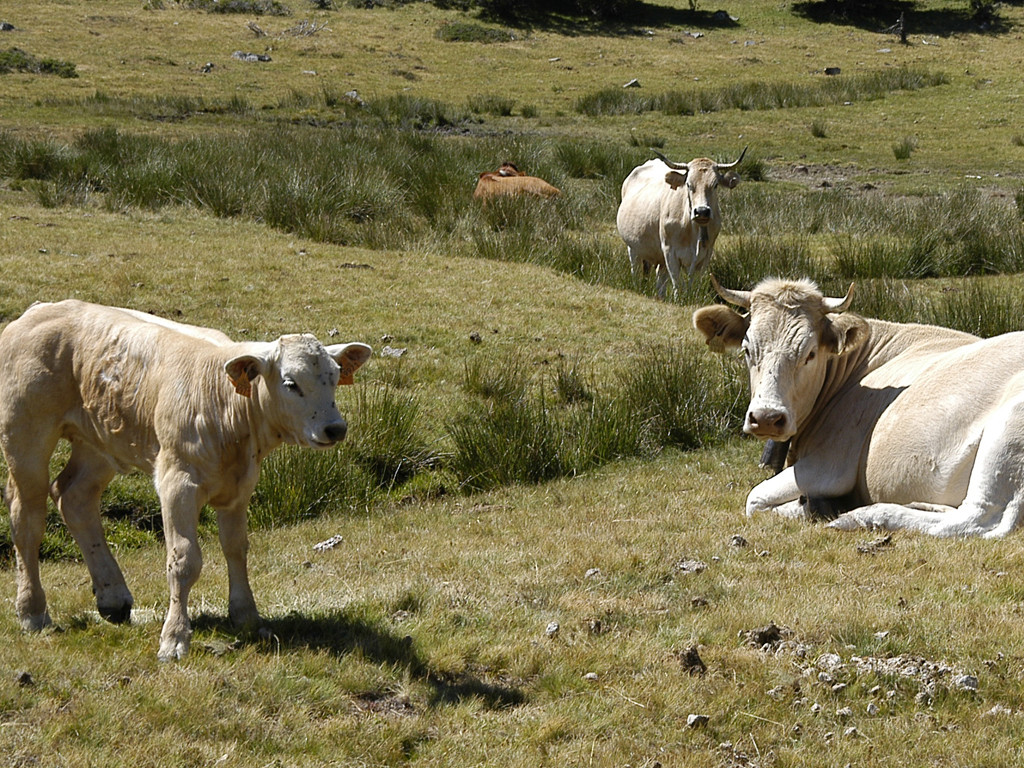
point(543, 557)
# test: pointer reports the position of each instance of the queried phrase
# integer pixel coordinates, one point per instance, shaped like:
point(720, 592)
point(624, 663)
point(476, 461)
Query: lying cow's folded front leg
point(779, 493)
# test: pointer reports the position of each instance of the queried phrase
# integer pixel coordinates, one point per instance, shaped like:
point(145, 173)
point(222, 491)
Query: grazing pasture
point(533, 548)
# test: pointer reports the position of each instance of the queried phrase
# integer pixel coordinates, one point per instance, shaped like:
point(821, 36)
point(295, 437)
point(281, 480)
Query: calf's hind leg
point(77, 492)
point(28, 478)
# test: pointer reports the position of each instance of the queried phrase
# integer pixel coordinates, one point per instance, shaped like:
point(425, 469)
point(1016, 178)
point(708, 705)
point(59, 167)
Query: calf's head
point(299, 377)
point(789, 336)
point(700, 179)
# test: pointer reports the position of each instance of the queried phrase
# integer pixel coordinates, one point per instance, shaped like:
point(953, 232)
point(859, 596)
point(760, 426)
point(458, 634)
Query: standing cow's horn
point(739, 298)
point(670, 164)
point(839, 305)
point(727, 166)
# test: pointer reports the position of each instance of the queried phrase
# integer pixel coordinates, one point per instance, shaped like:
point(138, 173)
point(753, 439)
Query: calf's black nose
point(336, 432)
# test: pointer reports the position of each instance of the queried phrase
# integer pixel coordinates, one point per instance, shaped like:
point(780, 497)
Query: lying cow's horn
point(739, 298)
point(839, 305)
point(727, 166)
point(670, 164)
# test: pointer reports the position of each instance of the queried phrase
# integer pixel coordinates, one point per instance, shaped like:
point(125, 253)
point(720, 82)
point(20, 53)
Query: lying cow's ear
point(675, 179)
point(350, 357)
point(844, 333)
point(723, 328)
point(242, 370)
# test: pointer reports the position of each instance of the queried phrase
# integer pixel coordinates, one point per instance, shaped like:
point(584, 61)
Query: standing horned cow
point(669, 216)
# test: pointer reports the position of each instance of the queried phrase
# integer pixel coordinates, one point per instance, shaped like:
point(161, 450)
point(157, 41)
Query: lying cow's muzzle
point(768, 423)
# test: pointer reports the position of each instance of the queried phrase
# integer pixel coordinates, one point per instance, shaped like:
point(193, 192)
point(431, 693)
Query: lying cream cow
point(129, 390)
point(899, 425)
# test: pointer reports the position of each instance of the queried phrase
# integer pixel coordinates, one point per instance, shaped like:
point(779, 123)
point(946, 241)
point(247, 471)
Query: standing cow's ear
point(723, 328)
point(675, 179)
point(350, 357)
point(242, 370)
point(731, 179)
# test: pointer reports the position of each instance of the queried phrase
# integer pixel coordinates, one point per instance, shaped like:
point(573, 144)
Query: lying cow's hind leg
point(77, 492)
point(994, 503)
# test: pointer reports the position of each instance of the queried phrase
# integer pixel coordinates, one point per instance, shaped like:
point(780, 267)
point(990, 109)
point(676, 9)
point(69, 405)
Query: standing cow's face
point(299, 377)
point(788, 339)
point(700, 179)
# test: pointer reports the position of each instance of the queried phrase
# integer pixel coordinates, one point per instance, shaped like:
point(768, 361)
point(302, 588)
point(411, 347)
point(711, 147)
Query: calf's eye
point(291, 386)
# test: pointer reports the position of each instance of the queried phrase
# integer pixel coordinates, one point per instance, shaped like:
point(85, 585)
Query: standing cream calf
point(187, 404)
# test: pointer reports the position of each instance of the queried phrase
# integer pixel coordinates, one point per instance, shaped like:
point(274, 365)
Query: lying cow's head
point(789, 336)
point(299, 378)
point(700, 178)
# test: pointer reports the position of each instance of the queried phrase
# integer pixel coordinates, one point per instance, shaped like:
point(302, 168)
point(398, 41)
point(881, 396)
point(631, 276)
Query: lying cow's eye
point(291, 386)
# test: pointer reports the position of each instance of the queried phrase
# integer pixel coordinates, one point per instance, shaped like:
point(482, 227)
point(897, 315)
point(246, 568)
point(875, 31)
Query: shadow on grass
point(643, 16)
point(341, 635)
point(880, 15)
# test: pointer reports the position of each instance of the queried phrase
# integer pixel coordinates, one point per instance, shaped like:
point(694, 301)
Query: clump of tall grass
point(664, 397)
point(744, 260)
point(818, 129)
point(468, 32)
point(386, 438)
point(500, 106)
point(904, 148)
point(254, 7)
point(756, 95)
point(17, 60)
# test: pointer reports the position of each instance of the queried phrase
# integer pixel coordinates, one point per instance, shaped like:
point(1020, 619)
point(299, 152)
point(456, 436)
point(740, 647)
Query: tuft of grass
point(818, 129)
point(468, 32)
point(529, 111)
point(386, 436)
point(253, 7)
point(500, 106)
point(17, 60)
point(903, 149)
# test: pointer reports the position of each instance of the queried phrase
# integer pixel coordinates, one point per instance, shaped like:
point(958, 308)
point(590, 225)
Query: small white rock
point(873, 709)
point(590, 677)
point(552, 629)
point(696, 721)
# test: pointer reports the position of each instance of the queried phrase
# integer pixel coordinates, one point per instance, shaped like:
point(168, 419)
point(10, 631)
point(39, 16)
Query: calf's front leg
point(180, 504)
point(232, 528)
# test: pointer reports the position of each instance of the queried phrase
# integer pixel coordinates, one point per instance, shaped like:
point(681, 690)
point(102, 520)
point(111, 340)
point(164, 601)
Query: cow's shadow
point(879, 15)
point(643, 17)
point(341, 635)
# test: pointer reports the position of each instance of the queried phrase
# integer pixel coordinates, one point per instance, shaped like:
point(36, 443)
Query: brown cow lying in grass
point(509, 181)
point(187, 404)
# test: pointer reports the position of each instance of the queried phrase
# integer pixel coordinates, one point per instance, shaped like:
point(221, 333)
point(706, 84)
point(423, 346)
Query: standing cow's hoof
point(116, 614)
point(36, 623)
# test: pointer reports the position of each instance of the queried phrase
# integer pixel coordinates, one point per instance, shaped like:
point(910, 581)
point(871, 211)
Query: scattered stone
point(844, 712)
point(833, 71)
point(797, 729)
point(207, 67)
point(738, 541)
point(594, 625)
point(387, 338)
point(691, 661)
point(923, 699)
point(998, 710)
point(851, 732)
point(592, 573)
point(873, 709)
point(389, 351)
point(875, 690)
point(333, 332)
point(875, 545)
point(590, 677)
point(243, 56)
point(475, 337)
point(838, 687)
point(24, 679)
point(698, 602)
point(634, 83)
point(830, 662)
point(829, 736)
point(330, 543)
point(966, 682)
point(6, 26)
point(770, 636)
point(881, 635)
point(696, 721)
point(399, 616)
point(815, 707)
point(552, 629)
point(353, 96)
point(690, 566)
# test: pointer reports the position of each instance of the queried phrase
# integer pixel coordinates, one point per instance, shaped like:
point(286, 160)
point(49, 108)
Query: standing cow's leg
point(180, 504)
point(27, 482)
point(77, 492)
point(232, 523)
point(672, 267)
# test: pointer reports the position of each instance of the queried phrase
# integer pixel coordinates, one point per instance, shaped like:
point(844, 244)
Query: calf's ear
point(844, 333)
point(350, 357)
point(723, 327)
point(242, 370)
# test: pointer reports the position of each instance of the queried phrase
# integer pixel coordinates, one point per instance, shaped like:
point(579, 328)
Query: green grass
point(554, 442)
